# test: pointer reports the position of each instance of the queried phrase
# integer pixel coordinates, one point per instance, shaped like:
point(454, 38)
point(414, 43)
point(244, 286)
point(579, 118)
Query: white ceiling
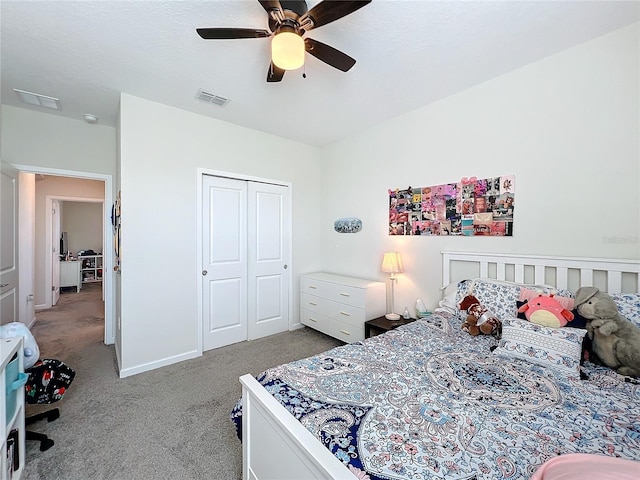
point(409, 53)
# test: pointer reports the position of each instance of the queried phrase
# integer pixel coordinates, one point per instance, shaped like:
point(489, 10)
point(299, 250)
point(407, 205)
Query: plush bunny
point(616, 341)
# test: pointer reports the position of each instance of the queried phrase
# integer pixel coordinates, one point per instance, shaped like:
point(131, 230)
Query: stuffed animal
point(616, 341)
point(547, 311)
point(479, 319)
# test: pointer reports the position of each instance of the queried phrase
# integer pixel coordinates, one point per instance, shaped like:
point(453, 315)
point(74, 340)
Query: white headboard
point(610, 275)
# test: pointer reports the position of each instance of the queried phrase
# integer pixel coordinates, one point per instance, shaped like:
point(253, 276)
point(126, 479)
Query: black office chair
point(48, 382)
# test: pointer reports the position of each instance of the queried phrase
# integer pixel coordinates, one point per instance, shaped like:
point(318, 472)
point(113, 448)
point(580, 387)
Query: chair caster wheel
point(46, 444)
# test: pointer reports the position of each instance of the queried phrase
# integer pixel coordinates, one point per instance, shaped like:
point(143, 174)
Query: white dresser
point(70, 274)
point(338, 306)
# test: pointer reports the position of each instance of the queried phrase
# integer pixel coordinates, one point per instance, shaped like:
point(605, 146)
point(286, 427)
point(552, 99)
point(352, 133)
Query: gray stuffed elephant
point(616, 341)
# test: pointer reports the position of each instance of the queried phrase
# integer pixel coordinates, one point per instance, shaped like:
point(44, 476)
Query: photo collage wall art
point(470, 207)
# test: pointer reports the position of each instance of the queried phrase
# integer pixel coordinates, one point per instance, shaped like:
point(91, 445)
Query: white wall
point(161, 149)
point(566, 126)
point(46, 140)
point(83, 223)
point(26, 240)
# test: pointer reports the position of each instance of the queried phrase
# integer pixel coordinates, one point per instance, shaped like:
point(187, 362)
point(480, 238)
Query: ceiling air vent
point(38, 99)
point(211, 98)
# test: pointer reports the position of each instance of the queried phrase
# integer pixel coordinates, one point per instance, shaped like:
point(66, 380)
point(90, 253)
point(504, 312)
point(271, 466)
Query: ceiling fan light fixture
point(287, 50)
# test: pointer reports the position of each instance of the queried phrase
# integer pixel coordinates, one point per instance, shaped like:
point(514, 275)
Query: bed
point(428, 401)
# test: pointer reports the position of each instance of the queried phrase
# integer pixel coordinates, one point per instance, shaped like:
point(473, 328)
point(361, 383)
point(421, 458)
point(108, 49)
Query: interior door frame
point(53, 212)
point(108, 281)
point(48, 258)
point(200, 173)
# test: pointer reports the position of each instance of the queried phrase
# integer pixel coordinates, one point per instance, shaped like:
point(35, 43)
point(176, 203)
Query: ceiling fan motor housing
point(292, 10)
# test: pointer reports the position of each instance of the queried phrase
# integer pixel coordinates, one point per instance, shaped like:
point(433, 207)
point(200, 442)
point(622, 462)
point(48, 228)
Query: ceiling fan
point(289, 20)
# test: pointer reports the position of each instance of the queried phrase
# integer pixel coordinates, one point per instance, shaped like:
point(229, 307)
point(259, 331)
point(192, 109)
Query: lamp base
point(392, 316)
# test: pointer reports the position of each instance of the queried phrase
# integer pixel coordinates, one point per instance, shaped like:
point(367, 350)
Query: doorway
point(244, 251)
point(80, 219)
point(108, 280)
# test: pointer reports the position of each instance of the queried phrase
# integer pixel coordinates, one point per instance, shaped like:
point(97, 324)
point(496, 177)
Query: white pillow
point(557, 348)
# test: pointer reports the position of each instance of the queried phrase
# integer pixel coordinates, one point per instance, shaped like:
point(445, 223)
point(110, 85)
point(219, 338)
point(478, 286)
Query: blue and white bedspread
point(428, 401)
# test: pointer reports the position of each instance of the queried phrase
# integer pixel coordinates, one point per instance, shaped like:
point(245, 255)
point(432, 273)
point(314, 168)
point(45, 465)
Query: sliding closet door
point(246, 231)
point(224, 259)
point(268, 249)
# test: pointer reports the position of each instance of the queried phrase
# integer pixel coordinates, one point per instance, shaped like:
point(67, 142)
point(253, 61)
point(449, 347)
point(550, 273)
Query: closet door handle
point(2, 285)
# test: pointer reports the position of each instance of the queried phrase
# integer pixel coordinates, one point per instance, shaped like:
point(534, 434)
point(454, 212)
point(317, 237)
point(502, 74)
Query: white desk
point(8, 348)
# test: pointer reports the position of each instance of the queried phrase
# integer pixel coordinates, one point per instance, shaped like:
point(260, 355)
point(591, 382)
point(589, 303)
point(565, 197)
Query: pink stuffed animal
point(546, 311)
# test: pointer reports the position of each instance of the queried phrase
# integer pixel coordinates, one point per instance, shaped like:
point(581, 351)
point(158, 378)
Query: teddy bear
point(616, 341)
point(479, 320)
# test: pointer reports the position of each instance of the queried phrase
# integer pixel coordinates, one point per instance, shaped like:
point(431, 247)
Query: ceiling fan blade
point(231, 33)
point(274, 74)
point(269, 5)
point(329, 11)
point(329, 55)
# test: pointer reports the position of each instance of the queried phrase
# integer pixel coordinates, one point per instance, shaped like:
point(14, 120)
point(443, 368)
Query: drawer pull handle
point(313, 287)
point(345, 313)
point(313, 319)
point(345, 294)
point(313, 303)
point(345, 332)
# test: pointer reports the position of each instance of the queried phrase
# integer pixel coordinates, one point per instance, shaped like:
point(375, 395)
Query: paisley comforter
point(428, 401)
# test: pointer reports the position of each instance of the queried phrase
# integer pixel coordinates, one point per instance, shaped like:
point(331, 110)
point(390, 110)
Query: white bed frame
point(277, 447)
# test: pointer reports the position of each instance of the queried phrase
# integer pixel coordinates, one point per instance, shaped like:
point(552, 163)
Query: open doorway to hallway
point(44, 185)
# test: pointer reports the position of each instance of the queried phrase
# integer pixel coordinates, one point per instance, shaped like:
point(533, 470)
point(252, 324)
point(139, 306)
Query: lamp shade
point(392, 262)
point(287, 50)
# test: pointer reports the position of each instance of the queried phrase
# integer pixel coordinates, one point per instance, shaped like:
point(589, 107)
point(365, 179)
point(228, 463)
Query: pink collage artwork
point(470, 207)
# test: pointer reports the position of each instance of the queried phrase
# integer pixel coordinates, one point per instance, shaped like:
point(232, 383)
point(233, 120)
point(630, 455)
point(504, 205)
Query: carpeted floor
point(171, 423)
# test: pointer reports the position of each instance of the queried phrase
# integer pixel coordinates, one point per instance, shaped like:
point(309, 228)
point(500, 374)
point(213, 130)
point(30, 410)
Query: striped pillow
point(557, 348)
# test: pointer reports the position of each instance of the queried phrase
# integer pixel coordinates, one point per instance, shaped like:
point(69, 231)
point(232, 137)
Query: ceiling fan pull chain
point(304, 71)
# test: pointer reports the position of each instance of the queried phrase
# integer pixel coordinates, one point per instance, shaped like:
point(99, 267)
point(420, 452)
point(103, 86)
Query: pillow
point(448, 302)
point(628, 306)
point(498, 297)
point(560, 349)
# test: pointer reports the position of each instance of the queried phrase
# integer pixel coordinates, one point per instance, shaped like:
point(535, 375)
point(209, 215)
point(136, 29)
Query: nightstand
point(382, 324)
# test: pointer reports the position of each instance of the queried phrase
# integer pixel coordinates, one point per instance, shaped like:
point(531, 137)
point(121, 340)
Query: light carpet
point(170, 423)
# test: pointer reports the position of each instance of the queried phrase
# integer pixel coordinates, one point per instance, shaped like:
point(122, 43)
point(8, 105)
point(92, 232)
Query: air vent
point(38, 99)
point(211, 98)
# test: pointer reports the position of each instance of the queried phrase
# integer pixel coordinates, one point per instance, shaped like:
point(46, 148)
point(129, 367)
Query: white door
point(224, 260)
point(8, 245)
point(268, 247)
point(55, 252)
point(246, 234)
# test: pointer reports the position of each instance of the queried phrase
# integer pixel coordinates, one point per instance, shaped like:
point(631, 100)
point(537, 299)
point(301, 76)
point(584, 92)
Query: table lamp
point(392, 264)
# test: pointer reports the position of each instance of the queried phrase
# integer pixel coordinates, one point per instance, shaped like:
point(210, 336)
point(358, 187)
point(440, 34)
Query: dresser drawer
point(314, 303)
point(315, 287)
point(346, 294)
point(344, 313)
point(346, 332)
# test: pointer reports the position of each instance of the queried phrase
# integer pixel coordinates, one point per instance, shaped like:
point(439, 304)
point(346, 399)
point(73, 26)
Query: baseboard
point(296, 326)
point(146, 367)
